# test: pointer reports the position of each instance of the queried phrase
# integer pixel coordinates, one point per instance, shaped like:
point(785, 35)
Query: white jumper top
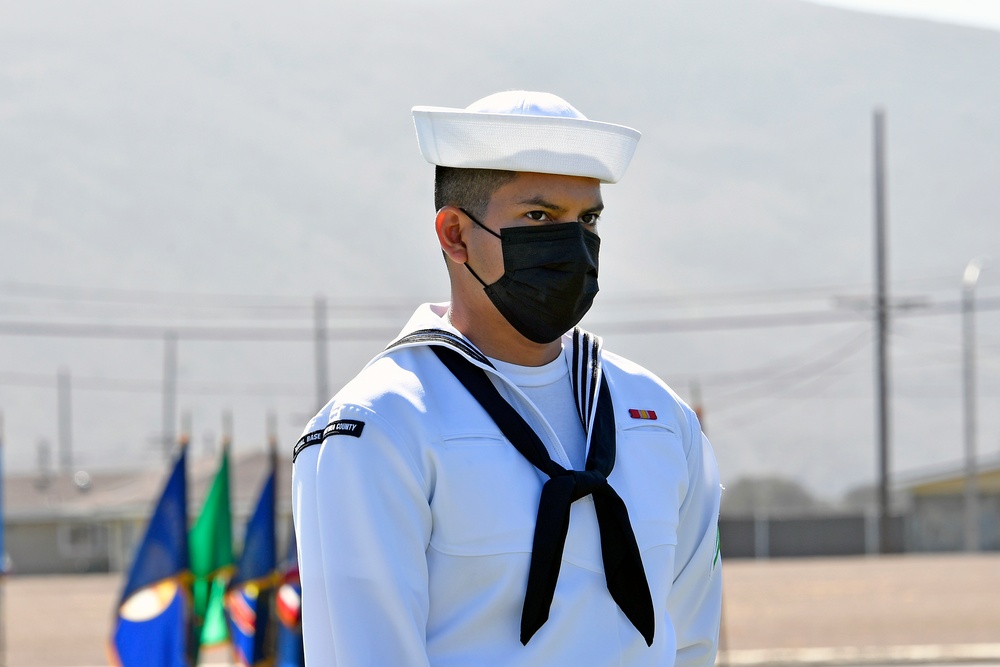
point(415, 517)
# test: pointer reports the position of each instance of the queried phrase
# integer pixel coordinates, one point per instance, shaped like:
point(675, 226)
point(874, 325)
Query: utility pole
point(227, 428)
point(272, 430)
point(322, 365)
point(44, 464)
point(881, 333)
point(696, 404)
point(971, 509)
point(65, 411)
point(169, 433)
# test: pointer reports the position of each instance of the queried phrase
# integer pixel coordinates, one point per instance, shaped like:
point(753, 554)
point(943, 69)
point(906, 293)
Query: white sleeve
point(695, 599)
point(363, 523)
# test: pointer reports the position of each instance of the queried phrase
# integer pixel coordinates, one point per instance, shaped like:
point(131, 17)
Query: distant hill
point(249, 149)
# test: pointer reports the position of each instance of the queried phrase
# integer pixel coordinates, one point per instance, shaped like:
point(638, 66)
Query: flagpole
point(227, 443)
point(182, 448)
point(3, 562)
point(184, 437)
point(272, 455)
point(272, 452)
point(227, 428)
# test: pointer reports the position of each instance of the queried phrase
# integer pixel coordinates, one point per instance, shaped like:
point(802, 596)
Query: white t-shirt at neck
point(549, 387)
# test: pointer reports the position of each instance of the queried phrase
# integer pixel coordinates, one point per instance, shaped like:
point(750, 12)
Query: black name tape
point(344, 427)
point(339, 427)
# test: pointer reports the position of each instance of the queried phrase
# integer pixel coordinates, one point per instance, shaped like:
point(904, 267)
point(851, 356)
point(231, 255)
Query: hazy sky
point(979, 13)
point(152, 167)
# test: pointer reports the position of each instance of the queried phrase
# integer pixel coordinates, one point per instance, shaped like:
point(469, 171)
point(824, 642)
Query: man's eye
point(537, 215)
point(590, 219)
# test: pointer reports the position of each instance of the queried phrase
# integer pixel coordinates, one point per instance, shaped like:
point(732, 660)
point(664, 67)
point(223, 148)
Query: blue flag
point(3, 552)
point(251, 590)
point(288, 609)
point(151, 628)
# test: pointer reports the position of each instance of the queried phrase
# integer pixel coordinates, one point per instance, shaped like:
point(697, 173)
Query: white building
point(92, 522)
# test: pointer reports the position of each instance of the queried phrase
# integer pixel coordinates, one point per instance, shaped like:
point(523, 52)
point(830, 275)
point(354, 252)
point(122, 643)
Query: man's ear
point(450, 225)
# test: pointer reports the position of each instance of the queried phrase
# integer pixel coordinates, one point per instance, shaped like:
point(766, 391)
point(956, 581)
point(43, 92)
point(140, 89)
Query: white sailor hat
point(524, 131)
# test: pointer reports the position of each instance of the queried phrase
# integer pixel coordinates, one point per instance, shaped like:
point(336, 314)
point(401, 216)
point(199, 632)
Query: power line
point(777, 294)
point(816, 372)
point(757, 374)
point(189, 333)
point(303, 307)
point(141, 386)
point(727, 322)
point(803, 372)
point(132, 297)
point(148, 311)
point(383, 332)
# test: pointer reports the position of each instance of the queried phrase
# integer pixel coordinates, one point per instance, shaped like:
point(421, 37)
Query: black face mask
point(549, 280)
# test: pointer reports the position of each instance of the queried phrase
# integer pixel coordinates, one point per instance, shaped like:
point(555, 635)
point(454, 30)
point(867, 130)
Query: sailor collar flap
point(585, 362)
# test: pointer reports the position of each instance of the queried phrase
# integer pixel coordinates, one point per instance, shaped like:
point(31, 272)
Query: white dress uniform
point(415, 518)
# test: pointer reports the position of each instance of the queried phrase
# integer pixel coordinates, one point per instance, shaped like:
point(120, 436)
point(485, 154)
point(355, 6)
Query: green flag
point(211, 546)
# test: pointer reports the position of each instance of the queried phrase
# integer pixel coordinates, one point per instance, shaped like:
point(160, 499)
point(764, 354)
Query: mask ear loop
point(473, 218)
point(475, 275)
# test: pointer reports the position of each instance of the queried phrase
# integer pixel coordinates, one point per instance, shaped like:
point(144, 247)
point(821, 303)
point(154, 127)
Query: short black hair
point(470, 189)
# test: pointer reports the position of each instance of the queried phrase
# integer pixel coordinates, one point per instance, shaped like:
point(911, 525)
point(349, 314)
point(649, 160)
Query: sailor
point(495, 488)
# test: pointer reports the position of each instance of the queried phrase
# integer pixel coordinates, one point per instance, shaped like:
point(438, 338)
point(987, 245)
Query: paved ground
point(892, 601)
point(928, 609)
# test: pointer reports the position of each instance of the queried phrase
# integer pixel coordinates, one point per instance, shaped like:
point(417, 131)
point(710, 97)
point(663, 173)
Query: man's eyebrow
point(546, 204)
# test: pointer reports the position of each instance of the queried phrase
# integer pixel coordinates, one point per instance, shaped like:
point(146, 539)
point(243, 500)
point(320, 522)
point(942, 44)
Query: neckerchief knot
point(586, 482)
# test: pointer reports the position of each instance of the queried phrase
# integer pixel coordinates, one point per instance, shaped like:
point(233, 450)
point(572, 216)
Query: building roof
point(951, 480)
point(132, 494)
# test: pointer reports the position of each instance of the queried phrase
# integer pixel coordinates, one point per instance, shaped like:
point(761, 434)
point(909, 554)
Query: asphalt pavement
point(914, 609)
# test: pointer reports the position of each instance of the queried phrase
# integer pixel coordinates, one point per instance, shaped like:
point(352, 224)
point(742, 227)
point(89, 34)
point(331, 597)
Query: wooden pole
point(322, 358)
point(882, 333)
point(64, 408)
